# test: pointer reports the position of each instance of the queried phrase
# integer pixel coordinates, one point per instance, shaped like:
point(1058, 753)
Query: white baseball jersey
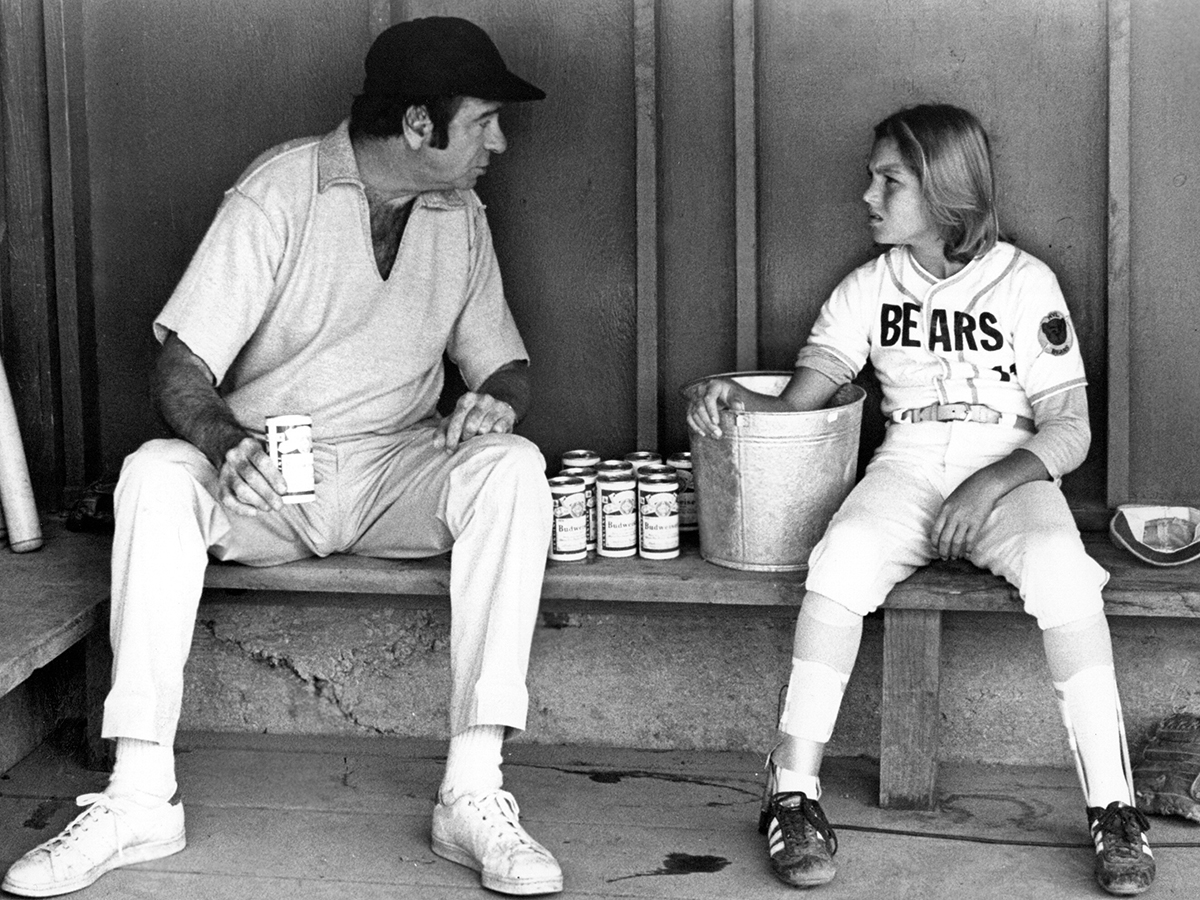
point(996, 333)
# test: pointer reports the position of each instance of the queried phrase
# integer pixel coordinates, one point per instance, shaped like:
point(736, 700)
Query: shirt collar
point(336, 165)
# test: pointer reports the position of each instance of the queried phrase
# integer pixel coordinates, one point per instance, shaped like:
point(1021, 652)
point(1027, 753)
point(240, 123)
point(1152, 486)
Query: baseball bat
point(16, 491)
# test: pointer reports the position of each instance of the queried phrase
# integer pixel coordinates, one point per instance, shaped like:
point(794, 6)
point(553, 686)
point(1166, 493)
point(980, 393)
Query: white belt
point(963, 412)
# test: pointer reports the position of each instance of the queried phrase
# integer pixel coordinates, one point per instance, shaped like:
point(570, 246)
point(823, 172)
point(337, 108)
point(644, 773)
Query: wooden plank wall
point(1163, 319)
point(27, 339)
point(681, 204)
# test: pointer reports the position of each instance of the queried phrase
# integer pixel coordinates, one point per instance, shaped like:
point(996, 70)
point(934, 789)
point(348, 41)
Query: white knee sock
point(826, 645)
point(473, 763)
point(144, 772)
point(1091, 711)
point(814, 696)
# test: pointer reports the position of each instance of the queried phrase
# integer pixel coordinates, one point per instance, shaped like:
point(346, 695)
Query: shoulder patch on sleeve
point(1055, 334)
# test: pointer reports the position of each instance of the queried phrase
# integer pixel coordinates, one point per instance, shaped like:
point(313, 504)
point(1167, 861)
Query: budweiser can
point(580, 458)
point(641, 458)
point(616, 505)
point(658, 513)
point(289, 444)
point(682, 464)
point(568, 536)
point(588, 474)
point(614, 465)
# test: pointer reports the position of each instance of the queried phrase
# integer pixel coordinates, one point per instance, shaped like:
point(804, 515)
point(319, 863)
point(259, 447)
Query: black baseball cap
point(441, 56)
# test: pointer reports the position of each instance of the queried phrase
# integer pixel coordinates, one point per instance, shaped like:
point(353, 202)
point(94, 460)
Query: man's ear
point(417, 126)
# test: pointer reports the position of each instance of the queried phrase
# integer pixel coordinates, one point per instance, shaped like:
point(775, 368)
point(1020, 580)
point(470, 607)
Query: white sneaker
point(483, 833)
point(109, 834)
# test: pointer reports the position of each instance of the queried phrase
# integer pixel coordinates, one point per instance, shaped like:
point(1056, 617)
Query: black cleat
point(1124, 863)
point(800, 841)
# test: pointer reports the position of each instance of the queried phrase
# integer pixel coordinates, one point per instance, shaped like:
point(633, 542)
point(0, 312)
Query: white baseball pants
point(394, 496)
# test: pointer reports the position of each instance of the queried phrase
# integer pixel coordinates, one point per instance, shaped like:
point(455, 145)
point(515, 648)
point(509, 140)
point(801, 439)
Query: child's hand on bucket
point(705, 402)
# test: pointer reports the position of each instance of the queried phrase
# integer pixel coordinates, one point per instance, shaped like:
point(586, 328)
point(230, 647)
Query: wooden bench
point(55, 601)
point(912, 618)
point(52, 605)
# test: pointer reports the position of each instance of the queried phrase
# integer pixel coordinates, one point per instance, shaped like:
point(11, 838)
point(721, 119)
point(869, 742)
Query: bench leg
point(98, 679)
point(912, 641)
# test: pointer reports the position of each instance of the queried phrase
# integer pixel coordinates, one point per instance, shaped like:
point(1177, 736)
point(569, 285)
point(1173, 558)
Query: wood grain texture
point(28, 315)
point(645, 86)
point(1118, 252)
point(745, 96)
point(65, 128)
point(1135, 589)
point(912, 642)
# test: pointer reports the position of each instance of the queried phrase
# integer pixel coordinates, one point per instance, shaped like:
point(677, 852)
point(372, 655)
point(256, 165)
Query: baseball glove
point(1167, 778)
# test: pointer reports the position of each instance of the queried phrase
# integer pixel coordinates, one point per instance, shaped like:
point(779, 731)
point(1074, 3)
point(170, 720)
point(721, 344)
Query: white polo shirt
point(284, 302)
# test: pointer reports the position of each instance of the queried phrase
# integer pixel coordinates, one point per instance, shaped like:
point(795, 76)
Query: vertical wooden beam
point(97, 670)
point(745, 130)
point(912, 644)
point(1119, 212)
point(63, 138)
point(380, 17)
point(27, 328)
point(645, 89)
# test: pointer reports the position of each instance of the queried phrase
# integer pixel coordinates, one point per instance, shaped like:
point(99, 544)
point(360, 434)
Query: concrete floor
point(345, 817)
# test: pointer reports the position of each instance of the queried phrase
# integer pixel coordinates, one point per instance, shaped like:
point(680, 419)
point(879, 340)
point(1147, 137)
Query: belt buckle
point(954, 412)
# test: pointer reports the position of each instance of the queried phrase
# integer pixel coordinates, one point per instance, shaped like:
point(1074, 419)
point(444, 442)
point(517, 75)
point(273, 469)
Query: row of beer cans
point(636, 505)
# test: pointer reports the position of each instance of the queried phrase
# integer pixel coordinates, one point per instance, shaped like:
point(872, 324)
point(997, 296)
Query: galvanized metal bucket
point(767, 488)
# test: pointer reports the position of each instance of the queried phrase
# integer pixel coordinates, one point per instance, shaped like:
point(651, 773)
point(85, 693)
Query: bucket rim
point(859, 391)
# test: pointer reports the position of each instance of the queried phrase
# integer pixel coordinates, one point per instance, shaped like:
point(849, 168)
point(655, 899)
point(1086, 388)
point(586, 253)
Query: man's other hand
point(474, 414)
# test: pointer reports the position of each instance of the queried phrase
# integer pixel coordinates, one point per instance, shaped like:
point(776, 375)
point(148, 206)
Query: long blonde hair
point(950, 152)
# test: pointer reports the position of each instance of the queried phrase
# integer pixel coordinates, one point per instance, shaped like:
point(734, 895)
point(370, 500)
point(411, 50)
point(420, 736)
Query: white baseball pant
point(880, 535)
point(394, 496)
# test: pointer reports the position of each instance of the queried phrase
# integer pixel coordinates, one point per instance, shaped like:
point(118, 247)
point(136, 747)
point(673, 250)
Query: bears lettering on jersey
point(902, 325)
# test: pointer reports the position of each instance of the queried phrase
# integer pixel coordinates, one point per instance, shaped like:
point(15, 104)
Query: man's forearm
point(190, 404)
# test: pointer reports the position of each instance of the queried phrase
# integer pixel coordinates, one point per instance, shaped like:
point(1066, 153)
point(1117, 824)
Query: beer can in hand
point(289, 444)
point(568, 533)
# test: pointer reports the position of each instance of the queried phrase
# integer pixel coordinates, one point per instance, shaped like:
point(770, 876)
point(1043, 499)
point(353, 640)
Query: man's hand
point(705, 402)
point(247, 482)
point(475, 413)
point(957, 526)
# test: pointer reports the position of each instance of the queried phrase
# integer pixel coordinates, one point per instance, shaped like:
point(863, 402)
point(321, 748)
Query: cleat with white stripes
point(1124, 863)
point(800, 841)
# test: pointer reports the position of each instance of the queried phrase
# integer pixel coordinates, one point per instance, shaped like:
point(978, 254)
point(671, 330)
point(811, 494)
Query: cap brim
point(510, 89)
point(1128, 529)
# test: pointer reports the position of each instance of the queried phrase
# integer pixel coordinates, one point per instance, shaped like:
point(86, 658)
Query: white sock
point(1091, 711)
point(473, 763)
point(144, 772)
point(786, 780)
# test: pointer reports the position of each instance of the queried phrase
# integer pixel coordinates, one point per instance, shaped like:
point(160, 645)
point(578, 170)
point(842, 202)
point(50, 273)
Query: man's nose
point(495, 139)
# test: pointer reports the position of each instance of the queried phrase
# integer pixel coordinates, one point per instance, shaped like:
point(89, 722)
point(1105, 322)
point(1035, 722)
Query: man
point(336, 273)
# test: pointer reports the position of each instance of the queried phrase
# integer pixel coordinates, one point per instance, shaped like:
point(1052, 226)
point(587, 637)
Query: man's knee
point(508, 456)
point(160, 470)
